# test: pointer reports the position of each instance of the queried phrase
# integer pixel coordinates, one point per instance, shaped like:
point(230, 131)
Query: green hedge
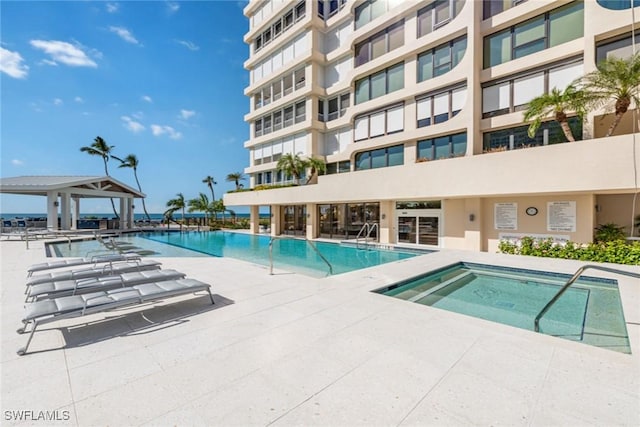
point(616, 251)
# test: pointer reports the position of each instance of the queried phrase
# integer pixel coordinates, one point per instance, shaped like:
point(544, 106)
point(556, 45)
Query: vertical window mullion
point(512, 31)
point(547, 28)
point(449, 113)
point(511, 93)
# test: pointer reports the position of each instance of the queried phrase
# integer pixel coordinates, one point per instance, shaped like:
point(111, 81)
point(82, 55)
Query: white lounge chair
point(46, 311)
point(82, 286)
point(74, 262)
point(106, 270)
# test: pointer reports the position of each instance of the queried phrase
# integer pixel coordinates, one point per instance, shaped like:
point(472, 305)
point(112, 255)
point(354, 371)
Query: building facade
point(417, 109)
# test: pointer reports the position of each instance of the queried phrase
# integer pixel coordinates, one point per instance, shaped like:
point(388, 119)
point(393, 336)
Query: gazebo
point(61, 191)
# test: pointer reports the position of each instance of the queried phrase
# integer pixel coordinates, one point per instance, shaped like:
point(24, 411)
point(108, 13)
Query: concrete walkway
point(290, 350)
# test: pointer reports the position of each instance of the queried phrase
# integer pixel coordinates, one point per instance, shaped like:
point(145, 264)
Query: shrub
point(614, 251)
point(609, 232)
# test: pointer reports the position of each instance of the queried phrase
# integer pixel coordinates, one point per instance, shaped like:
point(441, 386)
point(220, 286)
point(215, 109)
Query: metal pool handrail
point(306, 240)
point(578, 273)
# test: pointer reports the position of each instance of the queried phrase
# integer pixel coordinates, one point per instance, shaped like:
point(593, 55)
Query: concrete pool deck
point(294, 350)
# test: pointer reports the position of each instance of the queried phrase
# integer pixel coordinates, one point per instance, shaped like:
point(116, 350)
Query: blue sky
point(161, 80)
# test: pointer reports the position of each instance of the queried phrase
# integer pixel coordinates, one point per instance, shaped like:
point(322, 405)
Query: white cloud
point(64, 52)
point(57, 101)
point(159, 130)
point(124, 34)
point(132, 125)
point(138, 115)
point(11, 64)
point(147, 98)
point(186, 114)
point(189, 45)
point(172, 7)
point(49, 62)
point(79, 100)
point(112, 7)
point(17, 162)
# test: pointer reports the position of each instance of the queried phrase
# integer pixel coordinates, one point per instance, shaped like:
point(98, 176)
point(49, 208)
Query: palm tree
point(218, 206)
point(177, 204)
point(210, 183)
point(616, 80)
point(316, 166)
point(131, 161)
point(556, 103)
point(100, 148)
point(291, 165)
point(236, 177)
point(201, 204)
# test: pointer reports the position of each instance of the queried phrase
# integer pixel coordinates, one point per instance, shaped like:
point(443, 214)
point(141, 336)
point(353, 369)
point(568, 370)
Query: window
point(277, 89)
point(272, 64)
point(441, 106)
point(515, 138)
point(437, 14)
point(493, 7)
point(328, 8)
point(368, 11)
point(300, 10)
point(280, 118)
point(380, 158)
point(272, 151)
point(513, 94)
point(378, 123)
point(380, 43)
point(561, 25)
point(279, 26)
point(441, 59)
point(300, 111)
point(299, 76)
point(380, 83)
point(618, 46)
point(443, 147)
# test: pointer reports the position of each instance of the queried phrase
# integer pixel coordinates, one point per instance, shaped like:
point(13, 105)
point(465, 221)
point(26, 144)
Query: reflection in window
point(380, 83)
point(443, 147)
point(515, 138)
point(437, 14)
point(561, 25)
point(441, 59)
point(380, 158)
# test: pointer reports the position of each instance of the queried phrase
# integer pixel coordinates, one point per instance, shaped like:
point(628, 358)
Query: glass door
point(428, 230)
point(407, 229)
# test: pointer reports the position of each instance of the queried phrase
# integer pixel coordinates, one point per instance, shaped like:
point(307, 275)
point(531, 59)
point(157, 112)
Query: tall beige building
point(417, 109)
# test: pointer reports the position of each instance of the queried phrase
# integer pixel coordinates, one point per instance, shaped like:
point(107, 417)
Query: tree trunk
point(144, 206)
point(113, 205)
point(561, 118)
point(622, 105)
point(567, 131)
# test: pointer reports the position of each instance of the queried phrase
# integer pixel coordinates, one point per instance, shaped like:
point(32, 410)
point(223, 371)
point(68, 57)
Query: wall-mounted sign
point(561, 216)
point(505, 216)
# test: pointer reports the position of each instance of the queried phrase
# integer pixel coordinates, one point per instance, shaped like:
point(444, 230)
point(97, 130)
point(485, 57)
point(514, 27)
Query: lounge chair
point(41, 312)
point(98, 259)
point(82, 286)
point(106, 270)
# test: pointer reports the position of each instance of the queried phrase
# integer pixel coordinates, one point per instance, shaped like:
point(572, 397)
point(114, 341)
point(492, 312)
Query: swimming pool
point(589, 312)
point(288, 254)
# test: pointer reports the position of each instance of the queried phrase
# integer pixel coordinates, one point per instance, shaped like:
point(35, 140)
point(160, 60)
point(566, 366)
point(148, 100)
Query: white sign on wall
point(516, 237)
point(505, 216)
point(561, 216)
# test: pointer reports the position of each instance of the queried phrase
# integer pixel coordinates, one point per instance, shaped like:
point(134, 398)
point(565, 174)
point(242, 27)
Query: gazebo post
point(123, 213)
point(75, 213)
point(52, 210)
point(65, 212)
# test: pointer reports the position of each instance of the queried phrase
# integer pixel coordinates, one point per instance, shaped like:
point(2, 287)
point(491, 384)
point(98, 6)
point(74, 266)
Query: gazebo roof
point(77, 186)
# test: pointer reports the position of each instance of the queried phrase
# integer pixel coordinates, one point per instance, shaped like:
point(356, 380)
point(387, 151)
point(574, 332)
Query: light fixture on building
point(472, 217)
point(56, 203)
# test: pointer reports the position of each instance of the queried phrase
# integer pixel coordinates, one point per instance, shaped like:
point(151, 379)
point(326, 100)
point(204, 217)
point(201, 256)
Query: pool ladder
point(578, 273)
point(309, 242)
point(366, 230)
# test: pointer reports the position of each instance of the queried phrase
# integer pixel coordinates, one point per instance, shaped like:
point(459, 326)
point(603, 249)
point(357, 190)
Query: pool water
point(288, 254)
point(590, 311)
